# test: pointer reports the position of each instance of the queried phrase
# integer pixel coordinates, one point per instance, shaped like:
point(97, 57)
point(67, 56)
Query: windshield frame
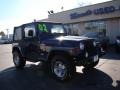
point(48, 26)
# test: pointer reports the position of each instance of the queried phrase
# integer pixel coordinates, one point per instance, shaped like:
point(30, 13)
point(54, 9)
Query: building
point(102, 17)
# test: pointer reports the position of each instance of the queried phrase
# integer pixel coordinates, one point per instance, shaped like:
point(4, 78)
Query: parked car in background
point(6, 40)
point(117, 44)
point(1, 41)
point(100, 38)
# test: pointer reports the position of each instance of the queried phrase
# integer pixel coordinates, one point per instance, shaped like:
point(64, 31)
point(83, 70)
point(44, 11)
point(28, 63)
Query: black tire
point(19, 62)
point(117, 49)
point(91, 65)
point(66, 63)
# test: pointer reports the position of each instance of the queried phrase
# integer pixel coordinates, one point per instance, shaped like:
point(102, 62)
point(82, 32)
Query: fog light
point(86, 54)
point(82, 46)
point(102, 49)
point(94, 44)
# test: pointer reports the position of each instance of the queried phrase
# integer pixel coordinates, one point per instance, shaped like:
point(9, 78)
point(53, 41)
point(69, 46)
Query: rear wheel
point(61, 68)
point(18, 60)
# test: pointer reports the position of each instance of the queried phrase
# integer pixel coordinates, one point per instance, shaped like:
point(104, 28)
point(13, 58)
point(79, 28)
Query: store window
point(68, 28)
point(98, 26)
point(75, 29)
point(72, 29)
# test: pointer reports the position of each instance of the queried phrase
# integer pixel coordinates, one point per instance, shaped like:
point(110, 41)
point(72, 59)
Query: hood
point(72, 38)
point(118, 37)
point(65, 41)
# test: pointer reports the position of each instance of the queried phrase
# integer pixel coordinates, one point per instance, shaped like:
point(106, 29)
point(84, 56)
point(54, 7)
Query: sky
point(17, 12)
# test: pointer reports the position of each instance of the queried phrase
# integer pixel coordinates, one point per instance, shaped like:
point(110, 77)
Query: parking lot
point(105, 76)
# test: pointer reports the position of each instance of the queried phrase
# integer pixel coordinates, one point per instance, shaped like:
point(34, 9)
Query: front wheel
point(117, 49)
point(61, 68)
point(18, 60)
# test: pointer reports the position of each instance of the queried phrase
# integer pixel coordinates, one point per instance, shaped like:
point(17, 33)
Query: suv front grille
point(89, 47)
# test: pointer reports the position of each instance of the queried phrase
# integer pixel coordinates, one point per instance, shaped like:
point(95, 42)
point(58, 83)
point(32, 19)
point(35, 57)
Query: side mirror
point(30, 33)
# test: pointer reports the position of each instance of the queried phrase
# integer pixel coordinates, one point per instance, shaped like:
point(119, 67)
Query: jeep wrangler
point(48, 42)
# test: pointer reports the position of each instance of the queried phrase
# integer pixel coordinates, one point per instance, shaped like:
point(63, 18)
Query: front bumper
point(118, 45)
point(101, 51)
point(84, 58)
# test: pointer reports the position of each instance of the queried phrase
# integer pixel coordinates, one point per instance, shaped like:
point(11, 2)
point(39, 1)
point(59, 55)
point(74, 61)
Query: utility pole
point(7, 33)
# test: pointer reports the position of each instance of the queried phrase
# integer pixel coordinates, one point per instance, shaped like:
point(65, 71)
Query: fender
point(57, 50)
point(18, 48)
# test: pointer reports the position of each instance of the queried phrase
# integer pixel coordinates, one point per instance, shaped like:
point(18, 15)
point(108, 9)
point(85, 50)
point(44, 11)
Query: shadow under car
point(34, 77)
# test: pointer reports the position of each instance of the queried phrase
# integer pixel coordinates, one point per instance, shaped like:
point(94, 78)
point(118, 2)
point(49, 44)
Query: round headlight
point(118, 41)
point(81, 46)
point(94, 44)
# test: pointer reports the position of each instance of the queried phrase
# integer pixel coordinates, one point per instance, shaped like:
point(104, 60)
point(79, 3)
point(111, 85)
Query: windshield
point(51, 28)
point(57, 29)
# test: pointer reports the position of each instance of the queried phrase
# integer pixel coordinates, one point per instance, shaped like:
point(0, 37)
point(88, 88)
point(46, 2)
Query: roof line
point(82, 7)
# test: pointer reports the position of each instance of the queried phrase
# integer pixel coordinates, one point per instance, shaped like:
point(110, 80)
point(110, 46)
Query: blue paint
point(104, 10)
point(76, 15)
point(99, 11)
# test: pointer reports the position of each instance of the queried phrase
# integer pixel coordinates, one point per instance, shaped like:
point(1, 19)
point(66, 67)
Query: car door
point(17, 38)
point(30, 43)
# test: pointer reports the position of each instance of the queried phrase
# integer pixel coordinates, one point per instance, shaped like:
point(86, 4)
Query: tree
point(2, 33)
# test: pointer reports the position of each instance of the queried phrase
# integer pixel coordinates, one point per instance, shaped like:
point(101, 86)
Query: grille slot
point(89, 47)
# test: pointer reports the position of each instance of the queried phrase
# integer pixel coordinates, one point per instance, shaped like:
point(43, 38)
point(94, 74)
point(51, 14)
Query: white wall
point(113, 29)
point(81, 28)
point(64, 16)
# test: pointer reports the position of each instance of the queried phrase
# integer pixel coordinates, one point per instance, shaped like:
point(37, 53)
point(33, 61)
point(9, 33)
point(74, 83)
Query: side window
point(29, 28)
point(18, 34)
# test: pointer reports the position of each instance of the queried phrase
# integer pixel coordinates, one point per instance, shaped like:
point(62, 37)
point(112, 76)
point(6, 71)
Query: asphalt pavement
point(105, 76)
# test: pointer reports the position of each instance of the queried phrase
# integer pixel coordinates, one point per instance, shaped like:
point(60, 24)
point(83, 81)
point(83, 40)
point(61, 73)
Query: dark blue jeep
point(49, 42)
